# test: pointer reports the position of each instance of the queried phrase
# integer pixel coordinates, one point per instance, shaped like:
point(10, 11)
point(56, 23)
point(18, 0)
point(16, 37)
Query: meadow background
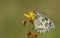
point(11, 16)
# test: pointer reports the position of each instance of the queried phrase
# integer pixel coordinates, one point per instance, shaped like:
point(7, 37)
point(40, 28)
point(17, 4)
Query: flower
point(30, 16)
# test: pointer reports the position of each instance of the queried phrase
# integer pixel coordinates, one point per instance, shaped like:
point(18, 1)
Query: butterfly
point(41, 23)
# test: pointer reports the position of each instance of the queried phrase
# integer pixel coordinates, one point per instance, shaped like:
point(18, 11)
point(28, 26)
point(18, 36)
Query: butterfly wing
point(42, 23)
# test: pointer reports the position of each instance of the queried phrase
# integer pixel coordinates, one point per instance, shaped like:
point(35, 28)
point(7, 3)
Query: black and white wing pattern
point(42, 23)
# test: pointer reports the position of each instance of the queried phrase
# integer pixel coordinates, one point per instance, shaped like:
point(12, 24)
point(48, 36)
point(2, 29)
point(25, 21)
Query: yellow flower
point(30, 16)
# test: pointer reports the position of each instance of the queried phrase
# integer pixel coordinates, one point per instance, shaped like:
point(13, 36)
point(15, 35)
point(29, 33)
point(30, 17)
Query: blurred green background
point(11, 16)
